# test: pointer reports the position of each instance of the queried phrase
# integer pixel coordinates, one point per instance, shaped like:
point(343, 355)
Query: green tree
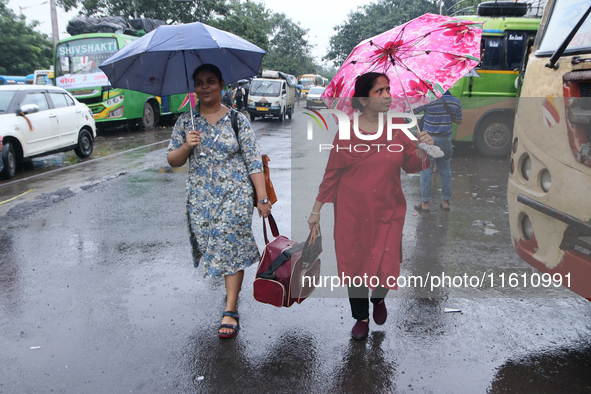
point(249, 20)
point(167, 10)
point(288, 50)
point(372, 19)
point(283, 39)
point(24, 50)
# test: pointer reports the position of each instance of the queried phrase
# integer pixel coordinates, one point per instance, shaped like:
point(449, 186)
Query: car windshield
point(265, 88)
point(317, 90)
point(565, 15)
point(5, 99)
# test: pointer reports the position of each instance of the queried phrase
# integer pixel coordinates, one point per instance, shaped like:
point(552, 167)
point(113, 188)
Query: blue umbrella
point(161, 62)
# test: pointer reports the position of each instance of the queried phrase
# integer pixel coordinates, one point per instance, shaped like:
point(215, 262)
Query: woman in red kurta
point(362, 180)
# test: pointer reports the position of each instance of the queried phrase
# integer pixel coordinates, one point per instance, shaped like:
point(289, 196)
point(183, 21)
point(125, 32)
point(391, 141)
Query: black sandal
point(235, 327)
point(421, 209)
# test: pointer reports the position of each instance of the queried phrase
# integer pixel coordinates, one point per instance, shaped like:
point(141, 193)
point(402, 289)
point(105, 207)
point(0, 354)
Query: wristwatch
point(264, 200)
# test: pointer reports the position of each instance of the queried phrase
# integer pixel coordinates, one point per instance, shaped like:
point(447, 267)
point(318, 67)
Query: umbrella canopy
point(162, 61)
point(423, 58)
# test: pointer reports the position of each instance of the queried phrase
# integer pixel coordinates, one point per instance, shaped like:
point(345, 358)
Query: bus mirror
point(27, 109)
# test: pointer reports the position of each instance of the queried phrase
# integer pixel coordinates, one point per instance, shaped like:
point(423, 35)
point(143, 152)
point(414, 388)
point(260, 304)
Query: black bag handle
point(279, 261)
point(273, 225)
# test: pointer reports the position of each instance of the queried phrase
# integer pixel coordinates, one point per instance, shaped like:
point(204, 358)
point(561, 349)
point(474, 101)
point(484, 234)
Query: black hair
point(211, 68)
point(363, 85)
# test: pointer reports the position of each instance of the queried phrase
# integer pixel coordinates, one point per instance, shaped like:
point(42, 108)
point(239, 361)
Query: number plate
point(318, 101)
point(262, 109)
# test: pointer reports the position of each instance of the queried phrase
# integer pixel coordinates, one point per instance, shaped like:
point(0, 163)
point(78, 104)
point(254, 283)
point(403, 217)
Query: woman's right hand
point(193, 139)
point(314, 224)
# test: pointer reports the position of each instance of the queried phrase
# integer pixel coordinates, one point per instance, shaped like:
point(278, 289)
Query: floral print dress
point(220, 193)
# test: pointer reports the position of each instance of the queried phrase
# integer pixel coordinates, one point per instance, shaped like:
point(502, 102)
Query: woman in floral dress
point(222, 172)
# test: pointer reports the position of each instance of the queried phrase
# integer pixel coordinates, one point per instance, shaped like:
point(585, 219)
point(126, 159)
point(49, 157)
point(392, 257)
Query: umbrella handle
point(188, 90)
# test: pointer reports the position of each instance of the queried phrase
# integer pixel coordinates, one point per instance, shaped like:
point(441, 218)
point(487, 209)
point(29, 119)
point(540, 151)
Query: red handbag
point(283, 277)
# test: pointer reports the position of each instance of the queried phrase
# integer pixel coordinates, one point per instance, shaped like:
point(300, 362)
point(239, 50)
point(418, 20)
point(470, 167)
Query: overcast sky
point(319, 16)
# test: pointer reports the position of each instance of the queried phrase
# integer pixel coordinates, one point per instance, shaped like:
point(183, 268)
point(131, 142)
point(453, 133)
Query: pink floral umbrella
point(423, 58)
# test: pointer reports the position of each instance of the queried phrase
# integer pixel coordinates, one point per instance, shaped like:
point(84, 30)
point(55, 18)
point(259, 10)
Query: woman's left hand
point(425, 137)
point(264, 209)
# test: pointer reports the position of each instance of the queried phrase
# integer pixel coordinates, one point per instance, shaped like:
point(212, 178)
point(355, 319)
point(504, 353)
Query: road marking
point(15, 197)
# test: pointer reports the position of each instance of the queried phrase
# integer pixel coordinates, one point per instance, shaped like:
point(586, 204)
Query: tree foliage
point(167, 10)
point(372, 19)
point(250, 20)
point(283, 39)
point(288, 50)
point(24, 50)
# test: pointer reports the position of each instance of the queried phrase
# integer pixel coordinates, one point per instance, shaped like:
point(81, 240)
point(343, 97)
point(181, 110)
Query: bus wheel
point(493, 138)
point(148, 120)
point(9, 159)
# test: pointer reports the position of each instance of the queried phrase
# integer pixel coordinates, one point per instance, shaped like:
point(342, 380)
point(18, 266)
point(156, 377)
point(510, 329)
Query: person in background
point(223, 167)
point(366, 192)
point(239, 94)
point(227, 97)
point(438, 118)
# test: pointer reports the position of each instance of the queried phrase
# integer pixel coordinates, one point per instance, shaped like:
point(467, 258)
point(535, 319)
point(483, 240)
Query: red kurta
point(369, 204)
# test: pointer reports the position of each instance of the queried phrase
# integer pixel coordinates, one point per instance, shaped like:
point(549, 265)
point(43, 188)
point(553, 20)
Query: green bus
point(76, 69)
point(488, 93)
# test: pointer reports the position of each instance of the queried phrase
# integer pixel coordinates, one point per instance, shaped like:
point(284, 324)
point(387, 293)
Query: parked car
point(313, 99)
point(36, 120)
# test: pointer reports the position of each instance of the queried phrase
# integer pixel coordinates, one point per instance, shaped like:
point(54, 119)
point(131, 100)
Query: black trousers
point(360, 303)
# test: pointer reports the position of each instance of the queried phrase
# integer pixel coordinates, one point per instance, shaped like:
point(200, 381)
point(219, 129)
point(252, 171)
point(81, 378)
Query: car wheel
point(493, 137)
point(84, 147)
point(9, 158)
point(148, 120)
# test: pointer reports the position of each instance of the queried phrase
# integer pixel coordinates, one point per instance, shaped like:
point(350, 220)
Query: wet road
point(98, 294)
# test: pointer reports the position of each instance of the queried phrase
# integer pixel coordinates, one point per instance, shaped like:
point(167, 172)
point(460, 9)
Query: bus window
point(492, 53)
point(515, 49)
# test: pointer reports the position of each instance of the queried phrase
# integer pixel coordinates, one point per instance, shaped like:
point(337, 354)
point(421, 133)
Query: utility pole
point(54, 27)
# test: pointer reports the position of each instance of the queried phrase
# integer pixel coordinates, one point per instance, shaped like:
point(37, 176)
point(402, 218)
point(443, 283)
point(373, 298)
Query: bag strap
point(447, 108)
point(273, 225)
point(279, 261)
point(234, 121)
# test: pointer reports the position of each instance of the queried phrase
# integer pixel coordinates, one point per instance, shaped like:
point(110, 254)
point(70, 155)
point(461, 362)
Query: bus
point(12, 80)
point(308, 80)
point(76, 69)
point(489, 91)
point(549, 189)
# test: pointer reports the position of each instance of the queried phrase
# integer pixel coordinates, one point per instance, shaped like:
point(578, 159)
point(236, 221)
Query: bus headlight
point(116, 113)
point(526, 167)
point(527, 228)
point(546, 180)
point(114, 100)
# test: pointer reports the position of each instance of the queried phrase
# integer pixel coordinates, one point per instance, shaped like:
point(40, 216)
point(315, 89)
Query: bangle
point(315, 213)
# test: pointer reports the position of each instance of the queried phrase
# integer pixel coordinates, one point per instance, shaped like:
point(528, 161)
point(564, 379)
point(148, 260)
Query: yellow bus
point(308, 80)
point(549, 190)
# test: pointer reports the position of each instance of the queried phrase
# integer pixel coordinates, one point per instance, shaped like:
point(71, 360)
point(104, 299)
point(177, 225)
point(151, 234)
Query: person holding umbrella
point(366, 191)
point(223, 168)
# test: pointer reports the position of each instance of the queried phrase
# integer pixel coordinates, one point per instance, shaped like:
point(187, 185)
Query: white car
point(313, 99)
point(36, 120)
